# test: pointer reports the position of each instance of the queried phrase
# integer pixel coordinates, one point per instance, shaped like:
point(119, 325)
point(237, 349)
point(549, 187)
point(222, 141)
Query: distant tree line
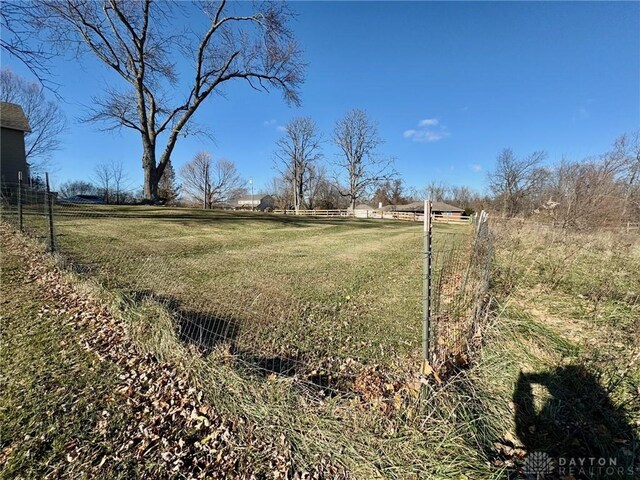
point(599, 190)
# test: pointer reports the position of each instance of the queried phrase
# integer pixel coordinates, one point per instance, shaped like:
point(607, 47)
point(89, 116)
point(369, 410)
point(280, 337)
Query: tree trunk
point(150, 176)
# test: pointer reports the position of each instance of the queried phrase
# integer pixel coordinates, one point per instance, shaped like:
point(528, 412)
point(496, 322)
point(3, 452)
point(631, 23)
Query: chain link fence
point(334, 303)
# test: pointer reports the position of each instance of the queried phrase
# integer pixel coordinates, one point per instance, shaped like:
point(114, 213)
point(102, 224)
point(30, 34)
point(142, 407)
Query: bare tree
point(390, 192)
point(296, 157)
point(514, 179)
point(281, 191)
point(463, 197)
point(437, 191)
point(46, 119)
point(76, 187)
point(119, 179)
point(601, 190)
point(210, 183)
point(358, 140)
point(322, 193)
point(103, 177)
point(624, 159)
point(583, 194)
point(139, 41)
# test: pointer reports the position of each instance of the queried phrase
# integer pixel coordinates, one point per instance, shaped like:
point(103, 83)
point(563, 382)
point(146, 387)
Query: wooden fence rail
point(406, 216)
point(314, 213)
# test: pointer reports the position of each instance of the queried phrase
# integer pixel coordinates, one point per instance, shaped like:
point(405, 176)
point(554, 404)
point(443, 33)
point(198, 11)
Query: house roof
point(12, 116)
point(445, 207)
point(248, 198)
point(363, 206)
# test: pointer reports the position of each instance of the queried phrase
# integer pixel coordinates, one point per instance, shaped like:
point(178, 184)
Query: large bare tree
point(209, 183)
point(142, 41)
point(297, 153)
point(46, 119)
point(358, 139)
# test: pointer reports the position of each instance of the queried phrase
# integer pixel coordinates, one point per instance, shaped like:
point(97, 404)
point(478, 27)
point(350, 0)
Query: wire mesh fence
point(334, 303)
point(460, 272)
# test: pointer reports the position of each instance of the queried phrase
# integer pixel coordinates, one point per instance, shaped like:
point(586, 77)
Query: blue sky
point(450, 85)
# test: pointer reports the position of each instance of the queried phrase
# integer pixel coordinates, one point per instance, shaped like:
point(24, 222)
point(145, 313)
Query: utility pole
point(206, 186)
point(251, 183)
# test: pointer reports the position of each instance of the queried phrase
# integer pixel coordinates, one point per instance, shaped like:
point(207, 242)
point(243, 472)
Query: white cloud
point(583, 112)
point(428, 122)
point(429, 130)
point(476, 167)
point(409, 133)
point(273, 123)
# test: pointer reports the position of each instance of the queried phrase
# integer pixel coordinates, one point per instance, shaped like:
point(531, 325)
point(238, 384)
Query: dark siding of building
point(12, 156)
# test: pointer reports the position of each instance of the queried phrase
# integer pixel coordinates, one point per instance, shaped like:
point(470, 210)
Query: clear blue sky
point(560, 77)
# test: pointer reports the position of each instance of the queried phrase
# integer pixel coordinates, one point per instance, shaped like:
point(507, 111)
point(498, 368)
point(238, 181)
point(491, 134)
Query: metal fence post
point(20, 201)
point(49, 202)
point(426, 291)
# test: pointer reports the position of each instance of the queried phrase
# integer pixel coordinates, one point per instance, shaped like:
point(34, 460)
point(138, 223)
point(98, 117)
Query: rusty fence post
point(20, 222)
point(49, 202)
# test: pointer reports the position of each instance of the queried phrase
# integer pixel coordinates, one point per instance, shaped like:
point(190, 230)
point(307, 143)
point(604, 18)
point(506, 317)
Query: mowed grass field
point(558, 370)
point(266, 284)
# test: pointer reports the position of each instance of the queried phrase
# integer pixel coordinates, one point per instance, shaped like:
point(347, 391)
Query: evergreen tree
point(168, 189)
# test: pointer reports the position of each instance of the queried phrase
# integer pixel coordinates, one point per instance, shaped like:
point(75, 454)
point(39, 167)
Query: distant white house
point(256, 202)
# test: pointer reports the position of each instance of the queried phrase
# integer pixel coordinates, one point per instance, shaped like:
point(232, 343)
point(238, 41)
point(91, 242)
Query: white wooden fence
point(314, 213)
point(406, 216)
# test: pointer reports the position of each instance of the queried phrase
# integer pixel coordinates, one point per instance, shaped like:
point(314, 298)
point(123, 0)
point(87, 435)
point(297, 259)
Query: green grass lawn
point(53, 392)
point(558, 370)
point(270, 284)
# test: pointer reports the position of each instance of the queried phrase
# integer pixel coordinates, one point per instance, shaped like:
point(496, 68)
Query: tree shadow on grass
point(206, 331)
point(575, 423)
point(203, 330)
